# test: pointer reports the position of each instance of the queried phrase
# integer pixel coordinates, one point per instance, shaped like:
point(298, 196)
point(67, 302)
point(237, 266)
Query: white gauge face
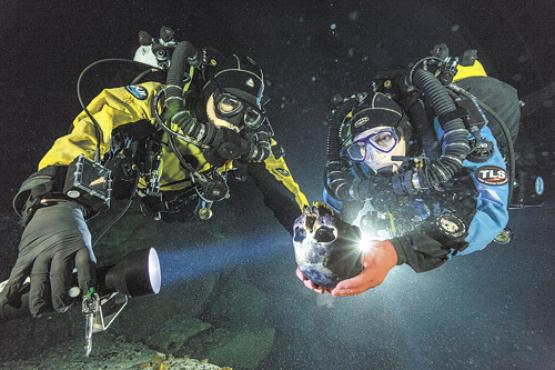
point(449, 226)
point(73, 194)
point(145, 55)
point(452, 225)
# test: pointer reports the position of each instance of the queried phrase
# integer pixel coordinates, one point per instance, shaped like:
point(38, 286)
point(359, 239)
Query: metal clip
point(100, 313)
point(89, 307)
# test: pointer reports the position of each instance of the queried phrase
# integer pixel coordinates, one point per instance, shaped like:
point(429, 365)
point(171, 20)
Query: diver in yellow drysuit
point(175, 145)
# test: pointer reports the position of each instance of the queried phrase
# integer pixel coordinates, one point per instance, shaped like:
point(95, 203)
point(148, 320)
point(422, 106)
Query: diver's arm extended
point(420, 251)
point(428, 247)
point(281, 192)
point(347, 211)
point(111, 108)
point(56, 237)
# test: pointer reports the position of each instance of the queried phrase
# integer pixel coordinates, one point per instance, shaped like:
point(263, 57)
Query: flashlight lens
point(154, 271)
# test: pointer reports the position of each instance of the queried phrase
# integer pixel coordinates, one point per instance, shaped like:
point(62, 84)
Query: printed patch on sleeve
point(137, 91)
point(282, 171)
point(492, 175)
point(451, 226)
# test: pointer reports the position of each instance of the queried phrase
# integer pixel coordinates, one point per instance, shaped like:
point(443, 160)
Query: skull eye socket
point(325, 235)
point(299, 234)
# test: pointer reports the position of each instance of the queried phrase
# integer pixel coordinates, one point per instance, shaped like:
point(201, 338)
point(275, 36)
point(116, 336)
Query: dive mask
point(234, 110)
point(383, 141)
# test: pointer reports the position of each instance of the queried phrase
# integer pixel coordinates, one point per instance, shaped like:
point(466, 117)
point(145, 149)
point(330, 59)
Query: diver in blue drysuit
point(420, 209)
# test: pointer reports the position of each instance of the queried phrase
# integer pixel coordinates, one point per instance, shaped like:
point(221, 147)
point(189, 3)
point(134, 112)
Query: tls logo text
point(492, 175)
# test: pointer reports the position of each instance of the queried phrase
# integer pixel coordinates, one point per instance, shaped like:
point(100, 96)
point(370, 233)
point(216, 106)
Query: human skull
point(326, 248)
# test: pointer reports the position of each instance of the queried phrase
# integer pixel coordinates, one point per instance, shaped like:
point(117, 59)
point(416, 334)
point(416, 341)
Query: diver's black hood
point(378, 110)
point(239, 76)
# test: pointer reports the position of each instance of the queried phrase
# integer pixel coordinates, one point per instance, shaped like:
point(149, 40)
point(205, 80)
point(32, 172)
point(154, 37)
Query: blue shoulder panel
point(491, 181)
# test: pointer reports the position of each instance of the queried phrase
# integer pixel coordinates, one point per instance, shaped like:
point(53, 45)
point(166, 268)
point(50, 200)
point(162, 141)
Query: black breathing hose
point(421, 123)
point(337, 181)
point(262, 147)
point(97, 129)
point(121, 214)
point(142, 75)
point(198, 132)
point(457, 148)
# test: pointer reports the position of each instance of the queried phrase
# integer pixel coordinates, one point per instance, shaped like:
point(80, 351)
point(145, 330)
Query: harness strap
point(49, 180)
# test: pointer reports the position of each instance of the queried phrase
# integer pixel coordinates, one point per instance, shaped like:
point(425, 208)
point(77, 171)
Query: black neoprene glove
point(56, 240)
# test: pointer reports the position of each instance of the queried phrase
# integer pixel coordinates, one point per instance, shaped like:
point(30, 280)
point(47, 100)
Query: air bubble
point(523, 58)
point(354, 15)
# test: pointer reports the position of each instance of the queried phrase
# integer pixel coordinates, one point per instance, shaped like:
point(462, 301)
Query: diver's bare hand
point(309, 284)
point(377, 262)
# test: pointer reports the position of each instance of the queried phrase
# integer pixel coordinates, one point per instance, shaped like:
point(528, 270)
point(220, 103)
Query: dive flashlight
point(135, 275)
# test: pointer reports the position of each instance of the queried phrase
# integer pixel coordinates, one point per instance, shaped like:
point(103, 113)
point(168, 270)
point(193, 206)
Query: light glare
point(154, 271)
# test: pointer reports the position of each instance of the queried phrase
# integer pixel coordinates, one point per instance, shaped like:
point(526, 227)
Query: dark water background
point(493, 309)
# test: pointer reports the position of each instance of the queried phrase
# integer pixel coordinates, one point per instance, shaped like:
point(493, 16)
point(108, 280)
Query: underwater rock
point(238, 302)
point(28, 336)
point(109, 352)
point(246, 349)
point(176, 332)
point(134, 231)
point(144, 316)
point(242, 337)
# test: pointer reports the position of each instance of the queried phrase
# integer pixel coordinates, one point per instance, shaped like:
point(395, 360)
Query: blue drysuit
point(476, 200)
